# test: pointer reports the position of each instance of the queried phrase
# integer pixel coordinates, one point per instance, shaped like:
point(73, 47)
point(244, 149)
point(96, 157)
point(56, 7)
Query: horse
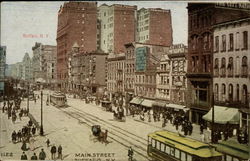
point(103, 136)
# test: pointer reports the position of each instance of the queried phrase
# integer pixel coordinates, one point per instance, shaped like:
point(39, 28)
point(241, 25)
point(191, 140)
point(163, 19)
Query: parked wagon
point(58, 99)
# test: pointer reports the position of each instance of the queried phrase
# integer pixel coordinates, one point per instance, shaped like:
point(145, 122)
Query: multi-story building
point(87, 71)
point(77, 22)
point(231, 82)
point(171, 75)
point(2, 66)
point(117, 27)
point(27, 68)
point(154, 26)
point(37, 61)
point(115, 77)
point(147, 58)
point(201, 19)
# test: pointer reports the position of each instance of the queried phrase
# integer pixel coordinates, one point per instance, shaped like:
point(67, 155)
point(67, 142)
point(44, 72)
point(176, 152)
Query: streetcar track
point(136, 151)
point(114, 126)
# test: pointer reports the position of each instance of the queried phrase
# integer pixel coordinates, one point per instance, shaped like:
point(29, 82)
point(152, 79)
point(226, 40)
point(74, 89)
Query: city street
point(70, 127)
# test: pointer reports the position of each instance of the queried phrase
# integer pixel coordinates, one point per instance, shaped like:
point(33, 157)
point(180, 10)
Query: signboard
point(1, 86)
point(141, 58)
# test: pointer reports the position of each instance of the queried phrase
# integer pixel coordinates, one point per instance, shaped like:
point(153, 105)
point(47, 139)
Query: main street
point(71, 127)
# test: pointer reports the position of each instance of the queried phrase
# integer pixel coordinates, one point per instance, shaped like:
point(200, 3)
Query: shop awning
point(136, 100)
point(176, 107)
point(159, 103)
point(222, 115)
point(147, 103)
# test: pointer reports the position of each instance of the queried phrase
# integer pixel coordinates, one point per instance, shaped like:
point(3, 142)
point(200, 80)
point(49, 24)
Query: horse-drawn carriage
point(99, 134)
point(107, 105)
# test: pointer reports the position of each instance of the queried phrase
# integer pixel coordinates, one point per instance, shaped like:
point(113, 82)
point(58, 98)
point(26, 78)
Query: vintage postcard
point(125, 80)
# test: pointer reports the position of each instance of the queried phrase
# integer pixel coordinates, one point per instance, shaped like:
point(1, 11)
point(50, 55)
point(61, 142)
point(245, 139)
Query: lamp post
point(28, 98)
point(212, 125)
point(41, 128)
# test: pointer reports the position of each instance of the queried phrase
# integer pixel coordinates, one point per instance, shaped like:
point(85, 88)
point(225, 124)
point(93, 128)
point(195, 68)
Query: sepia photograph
point(125, 80)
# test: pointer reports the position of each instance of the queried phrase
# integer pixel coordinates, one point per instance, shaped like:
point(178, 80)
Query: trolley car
point(58, 99)
point(168, 146)
point(233, 151)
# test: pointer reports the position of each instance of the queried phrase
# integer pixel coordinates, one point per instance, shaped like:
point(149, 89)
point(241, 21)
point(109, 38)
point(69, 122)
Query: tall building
point(77, 22)
point(117, 27)
point(27, 68)
point(201, 19)
point(154, 26)
point(2, 66)
point(231, 82)
point(36, 61)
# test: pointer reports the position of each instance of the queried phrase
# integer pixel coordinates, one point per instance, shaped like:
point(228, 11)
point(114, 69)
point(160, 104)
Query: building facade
point(26, 68)
point(171, 75)
point(2, 66)
point(37, 61)
point(201, 19)
point(116, 74)
point(231, 82)
point(77, 22)
point(117, 27)
point(154, 26)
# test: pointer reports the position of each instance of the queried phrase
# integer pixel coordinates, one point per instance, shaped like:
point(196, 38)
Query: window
point(172, 151)
point(223, 89)
point(153, 143)
point(237, 46)
point(177, 153)
point(245, 40)
point(167, 149)
point(158, 145)
point(231, 42)
point(162, 147)
point(183, 156)
point(223, 43)
point(230, 67)
point(216, 43)
point(223, 67)
point(230, 92)
point(216, 67)
point(189, 157)
point(244, 67)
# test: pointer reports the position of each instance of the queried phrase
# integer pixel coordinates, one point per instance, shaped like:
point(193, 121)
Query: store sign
point(141, 58)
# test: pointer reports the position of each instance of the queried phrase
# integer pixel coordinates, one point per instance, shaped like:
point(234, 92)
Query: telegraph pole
point(212, 125)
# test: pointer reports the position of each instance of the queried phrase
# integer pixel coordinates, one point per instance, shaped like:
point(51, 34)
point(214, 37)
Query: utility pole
point(41, 128)
point(28, 98)
point(212, 125)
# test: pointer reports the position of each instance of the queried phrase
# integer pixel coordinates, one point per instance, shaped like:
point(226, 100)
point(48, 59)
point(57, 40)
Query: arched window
point(237, 92)
point(216, 92)
point(244, 95)
point(230, 67)
point(216, 67)
point(230, 93)
point(223, 89)
point(244, 67)
point(223, 67)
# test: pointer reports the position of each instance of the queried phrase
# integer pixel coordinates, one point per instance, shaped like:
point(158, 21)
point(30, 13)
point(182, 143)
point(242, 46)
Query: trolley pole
point(212, 125)
point(41, 128)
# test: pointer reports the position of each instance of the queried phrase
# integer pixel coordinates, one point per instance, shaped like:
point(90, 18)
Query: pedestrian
point(24, 146)
point(14, 136)
point(201, 128)
point(59, 150)
point(19, 135)
point(20, 115)
point(42, 155)
point(130, 153)
point(34, 157)
point(24, 156)
point(53, 152)
point(47, 142)
point(31, 142)
point(34, 130)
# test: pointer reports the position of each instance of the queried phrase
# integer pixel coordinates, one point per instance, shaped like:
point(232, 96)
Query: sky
point(22, 20)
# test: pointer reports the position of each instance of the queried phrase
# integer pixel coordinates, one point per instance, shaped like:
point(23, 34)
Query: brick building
point(117, 27)
point(154, 26)
point(231, 82)
point(116, 74)
point(77, 22)
point(201, 19)
point(171, 75)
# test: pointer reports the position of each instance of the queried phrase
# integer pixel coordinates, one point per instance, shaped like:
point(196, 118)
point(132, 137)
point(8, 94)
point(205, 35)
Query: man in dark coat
point(42, 155)
point(34, 130)
point(24, 156)
point(53, 152)
point(34, 157)
point(59, 150)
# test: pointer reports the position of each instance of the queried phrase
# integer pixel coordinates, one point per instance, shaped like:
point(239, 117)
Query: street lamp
point(41, 128)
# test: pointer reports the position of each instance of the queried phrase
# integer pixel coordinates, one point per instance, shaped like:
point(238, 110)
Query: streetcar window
point(153, 143)
point(172, 151)
point(167, 149)
point(235, 159)
point(158, 145)
point(177, 153)
point(183, 156)
point(189, 157)
point(229, 158)
point(162, 147)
